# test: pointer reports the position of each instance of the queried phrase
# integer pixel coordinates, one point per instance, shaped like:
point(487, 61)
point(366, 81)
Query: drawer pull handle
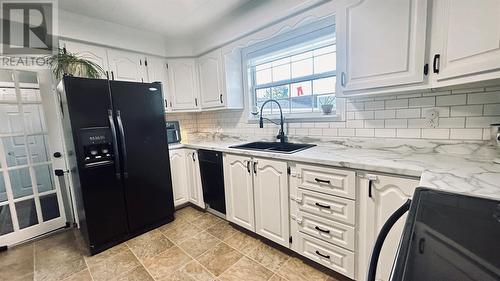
point(322, 230)
point(321, 255)
point(322, 181)
point(323, 206)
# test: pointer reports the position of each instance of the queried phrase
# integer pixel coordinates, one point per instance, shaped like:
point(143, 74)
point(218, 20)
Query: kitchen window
point(298, 69)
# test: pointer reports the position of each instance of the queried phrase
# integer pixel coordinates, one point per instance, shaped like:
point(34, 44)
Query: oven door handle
point(372, 270)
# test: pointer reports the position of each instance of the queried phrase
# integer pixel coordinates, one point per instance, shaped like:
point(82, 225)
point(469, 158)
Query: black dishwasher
point(212, 179)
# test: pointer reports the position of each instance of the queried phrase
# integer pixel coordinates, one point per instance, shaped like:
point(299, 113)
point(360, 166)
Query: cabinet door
point(387, 195)
point(239, 190)
point(95, 54)
point(126, 66)
point(211, 79)
point(157, 72)
point(183, 81)
point(466, 36)
point(179, 176)
point(271, 200)
point(380, 43)
point(195, 189)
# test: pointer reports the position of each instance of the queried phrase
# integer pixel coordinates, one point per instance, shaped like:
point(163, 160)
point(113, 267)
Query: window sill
point(299, 119)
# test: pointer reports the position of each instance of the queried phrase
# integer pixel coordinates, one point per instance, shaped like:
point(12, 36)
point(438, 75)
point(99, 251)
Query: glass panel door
point(30, 197)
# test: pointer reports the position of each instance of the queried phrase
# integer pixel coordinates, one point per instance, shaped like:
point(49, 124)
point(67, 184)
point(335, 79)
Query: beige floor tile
point(166, 263)
point(189, 214)
point(114, 266)
point(137, 274)
point(83, 275)
point(296, 270)
point(48, 268)
point(181, 232)
point(222, 230)
point(220, 258)
point(206, 220)
point(17, 262)
point(95, 259)
point(174, 224)
point(149, 244)
point(196, 271)
point(177, 276)
point(200, 243)
point(242, 242)
point(276, 277)
point(268, 256)
point(246, 269)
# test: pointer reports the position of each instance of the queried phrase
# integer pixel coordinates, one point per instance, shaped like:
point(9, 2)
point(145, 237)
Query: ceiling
point(170, 18)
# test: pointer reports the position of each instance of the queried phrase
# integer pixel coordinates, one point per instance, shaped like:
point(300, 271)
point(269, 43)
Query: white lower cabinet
point(257, 196)
point(376, 204)
point(186, 177)
point(195, 189)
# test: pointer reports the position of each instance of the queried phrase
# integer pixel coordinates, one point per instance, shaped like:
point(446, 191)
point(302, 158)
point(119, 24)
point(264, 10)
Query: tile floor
point(197, 246)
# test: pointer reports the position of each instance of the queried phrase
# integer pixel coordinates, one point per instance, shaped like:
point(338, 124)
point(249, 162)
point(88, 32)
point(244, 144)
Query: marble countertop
point(462, 167)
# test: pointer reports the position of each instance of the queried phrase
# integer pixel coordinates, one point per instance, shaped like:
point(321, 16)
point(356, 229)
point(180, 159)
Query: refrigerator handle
point(115, 143)
point(122, 140)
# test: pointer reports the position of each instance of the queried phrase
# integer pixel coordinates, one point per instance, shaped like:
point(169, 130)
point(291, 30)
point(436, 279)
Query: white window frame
point(292, 37)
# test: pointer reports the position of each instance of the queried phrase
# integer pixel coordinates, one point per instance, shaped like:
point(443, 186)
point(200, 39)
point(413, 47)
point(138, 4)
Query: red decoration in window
point(300, 92)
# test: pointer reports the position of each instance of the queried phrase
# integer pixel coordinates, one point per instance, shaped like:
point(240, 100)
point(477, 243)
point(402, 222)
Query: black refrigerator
point(118, 156)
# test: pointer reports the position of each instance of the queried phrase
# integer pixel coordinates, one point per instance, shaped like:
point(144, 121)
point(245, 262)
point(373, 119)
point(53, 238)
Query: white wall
point(82, 28)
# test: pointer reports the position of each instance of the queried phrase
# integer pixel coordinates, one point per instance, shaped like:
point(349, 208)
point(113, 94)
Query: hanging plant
point(65, 62)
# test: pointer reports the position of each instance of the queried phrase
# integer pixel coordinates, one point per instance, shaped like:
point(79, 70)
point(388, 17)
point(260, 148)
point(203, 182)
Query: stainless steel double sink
point(278, 147)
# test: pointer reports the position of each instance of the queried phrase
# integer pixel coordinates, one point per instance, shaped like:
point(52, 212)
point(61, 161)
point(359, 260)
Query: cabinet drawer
point(327, 230)
point(326, 206)
point(331, 256)
point(327, 180)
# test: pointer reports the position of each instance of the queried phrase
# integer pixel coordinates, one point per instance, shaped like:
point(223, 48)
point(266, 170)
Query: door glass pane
point(7, 94)
point(33, 118)
point(5, 220)
point(50, 207)
point(26, 213)
point(3, 193)
point(44, 178)
point(38, 148)
point(30, 95)
point(20, 181)
point(6, 76)
point(15, 151)
point(10, 117)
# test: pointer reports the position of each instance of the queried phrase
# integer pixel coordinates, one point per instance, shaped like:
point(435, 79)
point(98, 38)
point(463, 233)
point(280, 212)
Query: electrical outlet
point(432, 117)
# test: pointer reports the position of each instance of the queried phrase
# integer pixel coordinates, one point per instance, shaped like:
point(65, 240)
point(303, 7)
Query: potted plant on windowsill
point(327, 104)
point(65, 62)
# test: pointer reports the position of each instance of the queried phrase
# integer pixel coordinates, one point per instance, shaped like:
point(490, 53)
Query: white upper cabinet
point(465, 41)
point(157, 72)
point(183, 84)
point(126, 66)
point(221, 83)
point(93, 53)
point(211, 79)
point(380, 43)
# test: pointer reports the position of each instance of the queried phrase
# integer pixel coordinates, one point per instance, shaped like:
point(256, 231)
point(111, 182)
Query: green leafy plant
point(327, 100)
point(65, 62)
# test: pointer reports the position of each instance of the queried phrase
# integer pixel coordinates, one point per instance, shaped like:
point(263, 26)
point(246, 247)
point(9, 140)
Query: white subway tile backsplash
point(436, 133)
point(385, 133)
point(483, 98)
point(408, 113)
point(464, 114)
point(374, 123)
point(408, 133)
point(467, 110)
point(402, 103)
point(422, 102)
point(451, 100)
point(396, 123)
point(492, 109)
point(466, 134)
point(453, 122)
point(385, 114)
point(369, 133)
